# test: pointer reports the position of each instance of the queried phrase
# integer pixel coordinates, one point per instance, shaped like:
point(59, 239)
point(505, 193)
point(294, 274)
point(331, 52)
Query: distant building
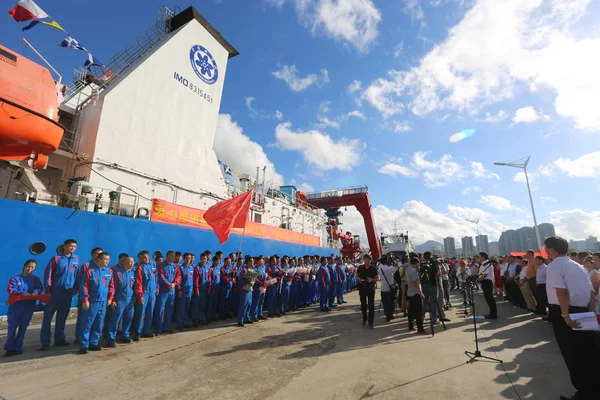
point(523, 239)
point(546, 230)
point(589, 244)
point(494, 248)
point(482, 243)
point(467, 246)
point(450, 247)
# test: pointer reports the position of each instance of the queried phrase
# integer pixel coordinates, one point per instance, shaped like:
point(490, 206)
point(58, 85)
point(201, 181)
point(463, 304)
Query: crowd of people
point(147, 298)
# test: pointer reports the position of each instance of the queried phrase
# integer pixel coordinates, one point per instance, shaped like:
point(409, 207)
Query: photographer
point(428, 275)
point(388, 287)
point(415, 296)
point(367, 278)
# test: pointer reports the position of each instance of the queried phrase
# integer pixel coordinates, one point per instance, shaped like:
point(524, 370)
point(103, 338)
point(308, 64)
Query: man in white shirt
point(386, 277)
point(541, 297)
point(569, 291)
point(486, 277)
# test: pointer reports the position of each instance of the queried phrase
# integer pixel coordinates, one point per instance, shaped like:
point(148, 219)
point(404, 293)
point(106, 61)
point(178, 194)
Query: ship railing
point(125, 204)
point(285, 198)
point(338, 192)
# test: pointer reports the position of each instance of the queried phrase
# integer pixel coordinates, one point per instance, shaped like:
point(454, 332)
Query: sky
point(338, 93)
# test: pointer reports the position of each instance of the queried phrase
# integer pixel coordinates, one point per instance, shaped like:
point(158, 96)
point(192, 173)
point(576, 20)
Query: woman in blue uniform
point(19, 313)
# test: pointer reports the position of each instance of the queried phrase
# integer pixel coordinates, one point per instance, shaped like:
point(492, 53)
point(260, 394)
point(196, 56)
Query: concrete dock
point(304, 355)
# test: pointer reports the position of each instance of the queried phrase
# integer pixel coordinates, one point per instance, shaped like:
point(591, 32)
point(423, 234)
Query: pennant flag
point(26, 10)
point(91, 60)
point(71, 43)
point(53, 24)
point(229, 214)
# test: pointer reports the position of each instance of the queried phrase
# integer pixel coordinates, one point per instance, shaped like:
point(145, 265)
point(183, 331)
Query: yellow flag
point(54, 24)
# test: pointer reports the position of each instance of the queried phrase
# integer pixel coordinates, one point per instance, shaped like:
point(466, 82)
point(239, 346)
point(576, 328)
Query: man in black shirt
point(367, 278)
point(428, 273)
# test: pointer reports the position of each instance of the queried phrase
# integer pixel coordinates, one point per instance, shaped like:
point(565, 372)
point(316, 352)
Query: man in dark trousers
point(569, 291)
point(486, 277)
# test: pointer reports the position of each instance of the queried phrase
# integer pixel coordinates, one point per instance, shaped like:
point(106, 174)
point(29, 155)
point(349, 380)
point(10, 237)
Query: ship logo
point(204, 64)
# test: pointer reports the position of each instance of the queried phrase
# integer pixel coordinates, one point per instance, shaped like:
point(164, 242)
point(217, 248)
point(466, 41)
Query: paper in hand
point(587, 321)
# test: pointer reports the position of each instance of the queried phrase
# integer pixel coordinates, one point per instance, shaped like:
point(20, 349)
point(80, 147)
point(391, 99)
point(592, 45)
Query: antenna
point(476, 222)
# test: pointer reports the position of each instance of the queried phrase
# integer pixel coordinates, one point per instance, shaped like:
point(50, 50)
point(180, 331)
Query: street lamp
point(522, 163)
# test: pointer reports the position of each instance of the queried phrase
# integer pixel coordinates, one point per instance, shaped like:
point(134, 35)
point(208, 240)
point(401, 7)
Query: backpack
point(427, 272)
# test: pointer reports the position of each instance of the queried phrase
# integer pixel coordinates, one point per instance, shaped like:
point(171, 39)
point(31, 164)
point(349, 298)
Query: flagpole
point(242, 239)
point(25, 42)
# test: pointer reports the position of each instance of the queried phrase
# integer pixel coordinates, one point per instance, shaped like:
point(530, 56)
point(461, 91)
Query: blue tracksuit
point(295, 292)
point(124, 286)
point(258, 293)
point(82, 270)
point(166, 274)
point(324, 281)
point(284, 294)
point(332, 286)
point(307, 287)
point(272, 294)
point(316, 286)
point(340, 269)
point(20, 313)
point(201, 286)
point(60, 281)
point(245, 298)
point(186, 288)
point(145, 290)
point(97, 290)
point(226, 287)
point(215, 286)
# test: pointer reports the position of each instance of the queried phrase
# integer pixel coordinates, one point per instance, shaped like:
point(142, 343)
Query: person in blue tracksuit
point(316, 287)
point(324, 282)
point(168, 277)
point(146, 289)
point(295, 287)
point(82, 272)
point(245, 289)
point(334, 283)
point(185, 289)
point(20, 313)
point(340, 270)
point(215, 285)
point(259, 289)
point(202, 277)
point(60, 278)
point(124, 300)
point(97, 293)
point(284, 288)
point(122, 259)
point(271, 294)
point(235, 291)
point(226, 288)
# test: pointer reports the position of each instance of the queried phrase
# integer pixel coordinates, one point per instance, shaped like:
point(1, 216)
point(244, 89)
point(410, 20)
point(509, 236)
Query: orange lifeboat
point(29, 128)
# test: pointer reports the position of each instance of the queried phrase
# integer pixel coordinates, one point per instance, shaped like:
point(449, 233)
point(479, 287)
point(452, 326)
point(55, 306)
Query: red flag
point(13, 298)
point(228, 214)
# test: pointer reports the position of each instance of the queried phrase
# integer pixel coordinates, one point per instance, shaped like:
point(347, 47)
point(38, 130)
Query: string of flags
point(227, 170)
point(28, 10)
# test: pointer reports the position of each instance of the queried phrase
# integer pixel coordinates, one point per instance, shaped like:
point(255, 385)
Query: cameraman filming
point(428, 275)
point(367, 278)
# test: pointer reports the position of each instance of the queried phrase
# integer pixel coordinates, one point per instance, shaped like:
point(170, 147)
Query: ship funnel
point(244, 182)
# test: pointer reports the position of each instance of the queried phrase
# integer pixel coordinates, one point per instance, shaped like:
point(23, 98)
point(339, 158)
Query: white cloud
point(548, 199)
point(239, 151)
point(437, 173)
point(423, 223)
point(498, 48)
point(249, 101)
point(325, 122)
point(413, 9)
point(350, 22)
point(289, 74)
point(471, 189)
point(320, 149)
point(305, 187)
point(498, 117)
point(586, 166)
point(528, 115)
point(498, 203)
point(576, 224)
point(355, 86)
point(357, 114)
point(397, 169)
point(403, 126)
point(278, 115)
point(324, 107)
point(398, 49)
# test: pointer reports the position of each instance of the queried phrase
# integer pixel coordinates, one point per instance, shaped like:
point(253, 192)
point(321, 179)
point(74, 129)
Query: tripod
point(473, 356)
point(439, 316)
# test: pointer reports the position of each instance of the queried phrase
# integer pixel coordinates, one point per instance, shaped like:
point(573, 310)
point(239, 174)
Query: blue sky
point(336, 93)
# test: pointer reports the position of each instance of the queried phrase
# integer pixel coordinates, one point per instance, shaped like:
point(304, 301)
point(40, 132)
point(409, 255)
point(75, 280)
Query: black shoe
point(156, 334)
point(136, 338)
point(9, 353)
point(147, 335)
point(83, 350)
point(125, 340)
point(168, 332)
point(411, 329)
point(62, 343)
point(111, 343)
point(195, 324)
point(446, 319)
point(179, 328)
point(488, 316)
point(344, 301)
point(256, 319)
point(241, 324)
point(187, 326)
point(251, 321)
point(422, 332)
point(18, 352)
point(95, 348)
point(45, 347)
point(263, 318)
point(574, 397)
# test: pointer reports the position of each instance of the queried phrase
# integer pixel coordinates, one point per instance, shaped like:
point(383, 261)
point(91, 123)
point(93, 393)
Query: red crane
point(355, 196)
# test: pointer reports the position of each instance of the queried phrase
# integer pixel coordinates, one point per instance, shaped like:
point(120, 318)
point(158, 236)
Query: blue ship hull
point(26, 223)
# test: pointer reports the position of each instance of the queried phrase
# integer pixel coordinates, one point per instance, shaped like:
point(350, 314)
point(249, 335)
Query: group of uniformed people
point(142, 298)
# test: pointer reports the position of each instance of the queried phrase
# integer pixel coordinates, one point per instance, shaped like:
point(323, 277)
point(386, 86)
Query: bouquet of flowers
point(250, 275)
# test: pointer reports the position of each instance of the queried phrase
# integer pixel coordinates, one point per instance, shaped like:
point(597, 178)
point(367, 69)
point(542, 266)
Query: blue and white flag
point(91, 60)
point(226, 169)
point(71, 43)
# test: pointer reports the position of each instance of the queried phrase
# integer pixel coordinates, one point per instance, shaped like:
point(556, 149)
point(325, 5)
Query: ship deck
point(305, 355)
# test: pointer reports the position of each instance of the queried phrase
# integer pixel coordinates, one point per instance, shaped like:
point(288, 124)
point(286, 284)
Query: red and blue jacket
point(186, 284)
point(22, 284)
point(227, 276)
point(340, 270)
point(61, 273)
point(97, 286)
point(260, 280)
point(324, 276)
point(166, 275)
point(124, 284)
point(202, 278)
point(215, 276)
point(82, 270)
point(145, 279)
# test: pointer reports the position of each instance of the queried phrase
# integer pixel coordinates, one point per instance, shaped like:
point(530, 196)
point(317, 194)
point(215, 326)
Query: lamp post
point(522, 163)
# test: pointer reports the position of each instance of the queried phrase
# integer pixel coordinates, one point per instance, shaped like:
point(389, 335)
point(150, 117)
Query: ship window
point(258, 218)
point(8, 55)
point(37, 248)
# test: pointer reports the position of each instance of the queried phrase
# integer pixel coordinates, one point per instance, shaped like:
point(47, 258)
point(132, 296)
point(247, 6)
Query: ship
point(398, 243)
point(122, 157)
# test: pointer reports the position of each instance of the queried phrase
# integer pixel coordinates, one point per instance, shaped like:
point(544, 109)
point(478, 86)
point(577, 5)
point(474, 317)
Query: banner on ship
point(163, 211)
